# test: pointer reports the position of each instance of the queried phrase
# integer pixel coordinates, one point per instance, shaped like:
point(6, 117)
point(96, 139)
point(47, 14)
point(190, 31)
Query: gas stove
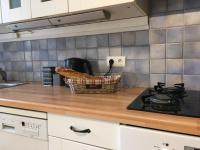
point(168, 100)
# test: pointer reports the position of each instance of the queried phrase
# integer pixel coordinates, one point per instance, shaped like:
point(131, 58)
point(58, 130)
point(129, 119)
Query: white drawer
point(102, 134)
point(60, 144)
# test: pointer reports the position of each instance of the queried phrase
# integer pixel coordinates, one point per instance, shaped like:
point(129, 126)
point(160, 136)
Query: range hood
point(100, 15)
point(137, 8)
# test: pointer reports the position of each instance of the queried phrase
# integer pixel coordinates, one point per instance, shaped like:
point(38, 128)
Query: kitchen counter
point(108, 107)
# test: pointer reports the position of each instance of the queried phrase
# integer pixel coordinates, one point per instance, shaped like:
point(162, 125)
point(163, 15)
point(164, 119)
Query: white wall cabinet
point(41, 8)
point(0, 15)
point(61, 144)
point(15, 10)
point(81, 5)
point(20, 10)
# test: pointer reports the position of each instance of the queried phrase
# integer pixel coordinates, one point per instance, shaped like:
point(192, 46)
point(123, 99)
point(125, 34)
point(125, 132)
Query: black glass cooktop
point(189, 105)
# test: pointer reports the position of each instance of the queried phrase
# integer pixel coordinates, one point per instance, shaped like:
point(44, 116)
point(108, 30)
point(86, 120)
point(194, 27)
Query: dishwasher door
point(22, 133)
point(9, 141)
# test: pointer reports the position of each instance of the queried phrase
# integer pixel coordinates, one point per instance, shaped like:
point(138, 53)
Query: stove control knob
point(23, 124)
point(166, 144)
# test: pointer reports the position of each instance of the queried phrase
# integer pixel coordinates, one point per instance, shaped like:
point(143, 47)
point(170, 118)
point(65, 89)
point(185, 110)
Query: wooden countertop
point(108, 107)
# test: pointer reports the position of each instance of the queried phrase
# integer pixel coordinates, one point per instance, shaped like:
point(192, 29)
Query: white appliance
point(22, 130)
point(135, 138)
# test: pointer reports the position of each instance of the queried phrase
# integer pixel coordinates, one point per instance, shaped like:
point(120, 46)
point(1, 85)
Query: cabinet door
point(60, 144)
point(0, 14)
point(149, 139)
point(133, 138)
point(80, 5)
point(15, 10)
point(41, 8)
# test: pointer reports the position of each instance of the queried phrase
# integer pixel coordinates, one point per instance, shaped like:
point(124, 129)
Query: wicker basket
point(109, 84)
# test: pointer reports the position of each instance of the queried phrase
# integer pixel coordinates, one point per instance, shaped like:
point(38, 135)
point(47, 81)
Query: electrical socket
point(119, 61)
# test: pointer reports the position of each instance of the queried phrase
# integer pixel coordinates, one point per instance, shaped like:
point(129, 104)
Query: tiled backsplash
point(24, 60)
point(175, 42)
point(168, 52)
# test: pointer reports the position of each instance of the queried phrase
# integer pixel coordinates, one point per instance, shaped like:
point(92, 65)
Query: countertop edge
point(187, 125)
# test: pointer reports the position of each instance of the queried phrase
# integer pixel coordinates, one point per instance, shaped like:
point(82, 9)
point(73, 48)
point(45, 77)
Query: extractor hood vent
point(29, 25)
point(64, 20)
point(81, 18)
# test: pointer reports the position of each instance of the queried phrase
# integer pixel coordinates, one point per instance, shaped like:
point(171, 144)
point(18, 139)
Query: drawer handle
point(79, 131)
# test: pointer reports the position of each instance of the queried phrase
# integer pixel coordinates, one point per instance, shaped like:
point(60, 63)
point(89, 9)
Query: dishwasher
point(23, 129)
point(137, 138)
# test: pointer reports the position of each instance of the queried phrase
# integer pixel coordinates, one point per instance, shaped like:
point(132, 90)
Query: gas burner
point(160, 99)
point(176, 90)
point(165, 99)
point(156, 98)
point(173, 100)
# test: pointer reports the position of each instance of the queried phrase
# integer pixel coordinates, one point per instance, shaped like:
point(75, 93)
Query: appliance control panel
point(30, 128)
point(25, 126)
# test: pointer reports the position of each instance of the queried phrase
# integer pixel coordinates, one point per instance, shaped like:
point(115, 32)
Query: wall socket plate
point(119, 61)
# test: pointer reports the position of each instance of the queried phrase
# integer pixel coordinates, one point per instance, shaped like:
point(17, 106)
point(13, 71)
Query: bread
point(69, 73)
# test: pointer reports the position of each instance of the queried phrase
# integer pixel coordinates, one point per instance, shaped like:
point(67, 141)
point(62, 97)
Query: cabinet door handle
point(79, 131)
